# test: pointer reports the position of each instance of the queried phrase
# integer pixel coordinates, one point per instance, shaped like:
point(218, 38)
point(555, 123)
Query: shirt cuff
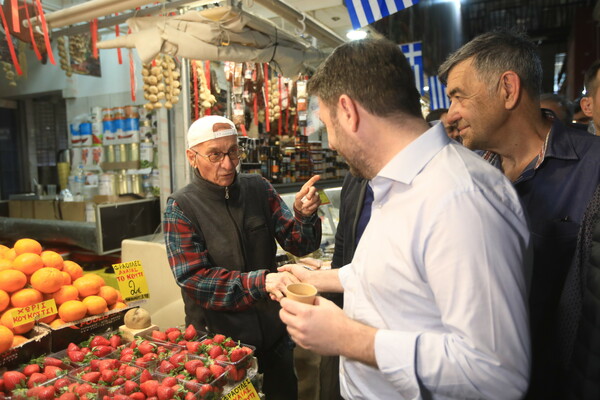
point(302, 219)
point(255, 282)
point(395, 353)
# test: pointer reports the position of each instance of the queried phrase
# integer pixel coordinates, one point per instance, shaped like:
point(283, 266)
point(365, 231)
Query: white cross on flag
point(365, 12)
point(437, 94)
point(412, 52)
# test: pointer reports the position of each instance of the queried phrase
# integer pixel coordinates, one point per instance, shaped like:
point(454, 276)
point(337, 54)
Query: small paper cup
point(302, 292)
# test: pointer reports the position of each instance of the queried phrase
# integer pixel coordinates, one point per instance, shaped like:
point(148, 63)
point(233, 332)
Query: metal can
point(109, 153)
point(121, 183)
point(136, 185)
point(122, 153)
point(131, 112)
point(134, 152)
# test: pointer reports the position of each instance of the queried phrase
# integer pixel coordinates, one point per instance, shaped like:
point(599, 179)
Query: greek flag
point(437, 94)
point(412, 52)
point(365, 12)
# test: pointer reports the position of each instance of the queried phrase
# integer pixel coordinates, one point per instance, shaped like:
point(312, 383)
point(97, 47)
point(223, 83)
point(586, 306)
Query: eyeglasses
point(234, 155)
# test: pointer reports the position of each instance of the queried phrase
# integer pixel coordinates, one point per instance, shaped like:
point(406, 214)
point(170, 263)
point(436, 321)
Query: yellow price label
point(33, 312)
point(324, 198)
point(132, 281)
point(244, 391)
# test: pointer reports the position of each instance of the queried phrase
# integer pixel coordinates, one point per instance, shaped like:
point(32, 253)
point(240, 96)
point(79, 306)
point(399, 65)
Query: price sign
point(33, 312)
point(244, 391)
point(324, 198)
point(131, 280)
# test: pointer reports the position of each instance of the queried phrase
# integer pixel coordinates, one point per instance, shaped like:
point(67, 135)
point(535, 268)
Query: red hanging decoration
point(243, 127)
point(42, 18)
point(14, 4)
point(33, 43)
point(94, 33)
point(117, 33)
point(279, 121)
point(207, 74)
point(195, 81)
point(11, 48)
point(255, 99)
point(266, 93)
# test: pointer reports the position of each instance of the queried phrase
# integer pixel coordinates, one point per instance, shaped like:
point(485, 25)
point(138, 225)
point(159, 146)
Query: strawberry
point(109, 363)
point(190, 332)
point(83, 388)
point(68, 396)
point(115, 340)
point(235, 374)
point(30, 369)
point(230, 343)
point(172, 329)
point(52, 372)
point(53, 361)
point(73, 347)
point(119, 381)
point(137, 396)
point(75, 355)
point(206, 342)
point(146, 347)
point(216, 370)
point(215, 351)
point(93, 376)
point(46, 393)
point(35, 379)
point(60, 383)
point(218, 338)
point(146, 375)
point(193, 347)
point(164, 392)
point(177, 358)
point(130, 386)
point(222, 357)
point(108, 376)
point(203, 374)
point(173, 336)
point(131, 372)
point(165, 367)
point(237, 354)
point(158, 335)
point(119, 397)
point(150, 357)
point(204, 391)
point(102, 351)
point(127, 351)
point(169, 381)
point(99, 341)
point(247, 349)
point(189, 396)
point(192, 365)
point(149, 387)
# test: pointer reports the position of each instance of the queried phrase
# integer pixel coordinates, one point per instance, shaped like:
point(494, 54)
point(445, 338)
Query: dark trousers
point(277, 367)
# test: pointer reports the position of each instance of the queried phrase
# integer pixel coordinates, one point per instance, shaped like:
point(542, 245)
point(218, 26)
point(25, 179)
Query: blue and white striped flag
point(365, 12)
point(437, 94)
point(412, 52)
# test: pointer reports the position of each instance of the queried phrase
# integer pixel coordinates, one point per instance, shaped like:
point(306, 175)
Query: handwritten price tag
point(33, 312)
point(324, 198)
point(131, 280)
point(244, 391)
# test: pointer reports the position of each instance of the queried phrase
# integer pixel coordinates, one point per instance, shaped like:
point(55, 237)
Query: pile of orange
point(29, 275)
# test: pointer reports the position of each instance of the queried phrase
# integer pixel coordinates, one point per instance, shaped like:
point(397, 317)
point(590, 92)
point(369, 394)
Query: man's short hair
point(589, 79)
point(562, 103)
point(373, 72)
point(436, 115)
point(496, 52)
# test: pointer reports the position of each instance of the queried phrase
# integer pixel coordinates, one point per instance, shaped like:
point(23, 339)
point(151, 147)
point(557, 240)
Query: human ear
point(190, 157)
point(510, 87)
point(348, 112)
point(587, 103)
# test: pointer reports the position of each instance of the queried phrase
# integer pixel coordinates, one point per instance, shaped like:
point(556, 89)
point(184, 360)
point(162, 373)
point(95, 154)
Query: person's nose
point(453, 115)
point(227, 162)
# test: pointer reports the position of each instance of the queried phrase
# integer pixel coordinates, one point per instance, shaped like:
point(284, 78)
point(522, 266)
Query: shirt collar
point(559, 143)
point(407, 164)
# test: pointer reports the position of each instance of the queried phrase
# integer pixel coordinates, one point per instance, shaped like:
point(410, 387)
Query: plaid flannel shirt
point(219, 288)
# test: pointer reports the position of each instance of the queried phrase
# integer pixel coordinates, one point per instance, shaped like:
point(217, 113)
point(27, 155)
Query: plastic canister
point(74, 133)
point(107, 184)
point(131, 130)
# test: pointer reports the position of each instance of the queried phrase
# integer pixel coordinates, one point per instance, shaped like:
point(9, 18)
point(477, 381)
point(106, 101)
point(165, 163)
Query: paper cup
point(302, 292)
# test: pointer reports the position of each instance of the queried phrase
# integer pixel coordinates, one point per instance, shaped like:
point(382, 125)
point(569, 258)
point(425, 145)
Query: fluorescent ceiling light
point(356, 35)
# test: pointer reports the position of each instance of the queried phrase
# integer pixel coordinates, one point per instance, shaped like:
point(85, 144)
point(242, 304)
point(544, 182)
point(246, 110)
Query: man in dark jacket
point(220, 232)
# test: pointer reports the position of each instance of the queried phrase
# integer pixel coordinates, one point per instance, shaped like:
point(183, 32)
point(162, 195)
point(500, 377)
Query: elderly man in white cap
point(220, 232)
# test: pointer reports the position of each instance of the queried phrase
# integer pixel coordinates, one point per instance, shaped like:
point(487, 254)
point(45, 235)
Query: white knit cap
point(203, 129)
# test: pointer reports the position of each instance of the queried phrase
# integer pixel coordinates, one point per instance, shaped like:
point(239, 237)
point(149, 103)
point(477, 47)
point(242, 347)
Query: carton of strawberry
point(34, 373)
point(165, 387)
point(145, 353)
point(176, 335)
point(98, 346)
point(64, 388)
point(108, 372)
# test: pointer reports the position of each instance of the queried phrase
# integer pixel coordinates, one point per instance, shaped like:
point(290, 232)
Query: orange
point(28, 263)
point(72, 310)
point(52, 259)
point(4, 300)
point(57, 322)
point(66, 278)
point(18, 339)
point(65, 293)
point(118, 305)
point(73, 269)
point(10, 254)
point(88, 285)
point(5, 264)
point(6, 339)
point(47, 280)
point(109, 293)
point(7, 321)
point(3, 249)
point(12, 280)
point(27, 246)
point(26, 297)
point(95, 305)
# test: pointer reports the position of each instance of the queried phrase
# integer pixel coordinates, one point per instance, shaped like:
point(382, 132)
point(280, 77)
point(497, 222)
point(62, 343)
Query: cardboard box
point(40, 341)
point(81, 330)
point(46, 209)
point(20, 209)
point(72, 210)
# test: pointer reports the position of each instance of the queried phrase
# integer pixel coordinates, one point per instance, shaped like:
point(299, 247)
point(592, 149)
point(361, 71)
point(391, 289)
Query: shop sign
point(131, 280)
point(244, 391)
point(33, 312)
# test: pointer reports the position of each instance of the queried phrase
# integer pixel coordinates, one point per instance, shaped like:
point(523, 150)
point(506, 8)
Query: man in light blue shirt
point(435, 296)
